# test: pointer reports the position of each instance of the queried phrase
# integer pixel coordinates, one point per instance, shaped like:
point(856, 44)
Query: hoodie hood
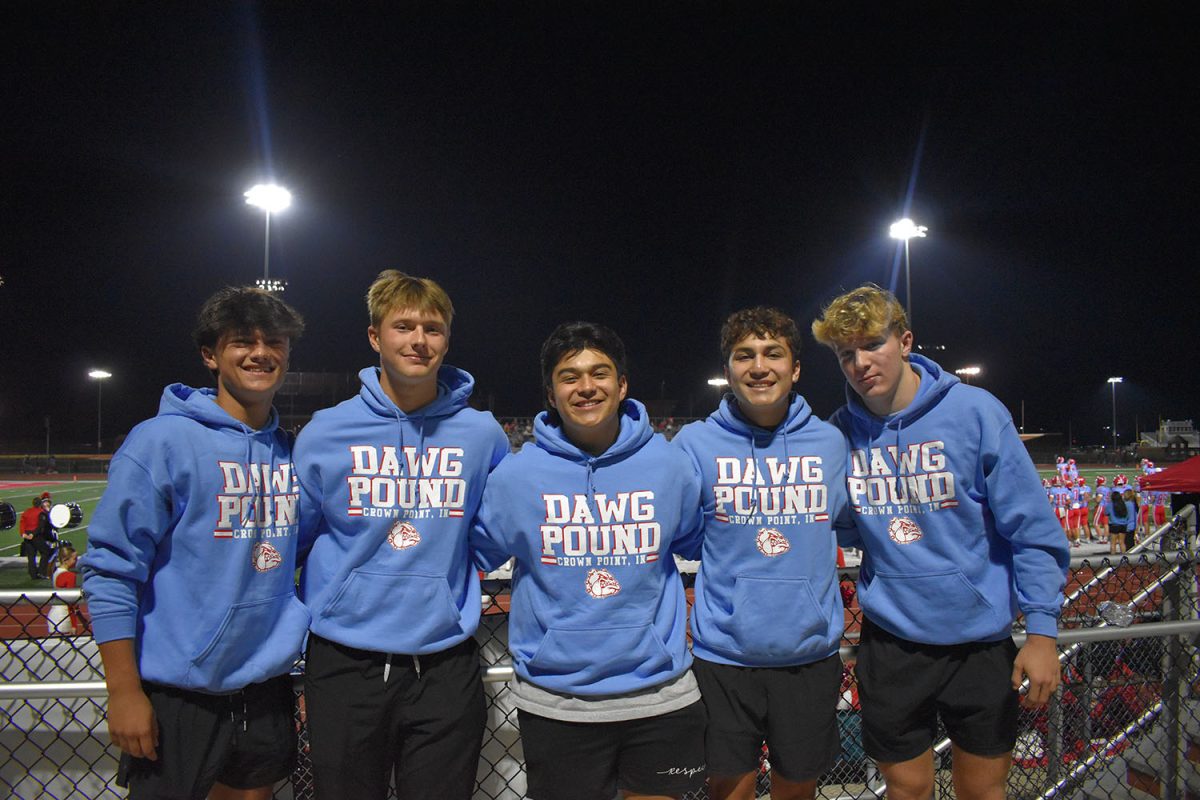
point(729, 416)
point(634, 432)
point(201, 406)
point(935, 382)
point(454, 390)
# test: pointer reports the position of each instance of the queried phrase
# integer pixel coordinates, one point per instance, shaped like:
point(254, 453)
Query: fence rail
point(1125, 718)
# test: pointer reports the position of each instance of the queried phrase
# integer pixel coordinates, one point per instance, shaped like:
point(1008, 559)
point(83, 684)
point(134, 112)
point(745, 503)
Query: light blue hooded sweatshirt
point(767, 591)
point(598, 607)
point(952, 516)
point(192, 549)
point(386, 500)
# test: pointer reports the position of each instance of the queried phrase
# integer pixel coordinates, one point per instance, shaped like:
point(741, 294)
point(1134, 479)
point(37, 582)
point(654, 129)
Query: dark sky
point(651, 168)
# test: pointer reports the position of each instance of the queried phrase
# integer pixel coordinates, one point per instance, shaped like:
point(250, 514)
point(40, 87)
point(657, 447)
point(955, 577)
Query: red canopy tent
point(1182, 477)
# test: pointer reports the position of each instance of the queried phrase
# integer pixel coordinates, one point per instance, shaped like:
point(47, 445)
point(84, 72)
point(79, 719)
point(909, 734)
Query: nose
point(418, 336)
point(586, 385)
point(860, 359)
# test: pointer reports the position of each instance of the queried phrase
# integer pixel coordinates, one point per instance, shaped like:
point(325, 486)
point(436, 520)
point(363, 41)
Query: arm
point(131, 722)
point(489, 550)
point(697, 507)
point(1040, 552)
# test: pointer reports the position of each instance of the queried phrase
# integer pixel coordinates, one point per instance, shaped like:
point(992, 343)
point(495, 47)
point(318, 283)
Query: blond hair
point(394, 290)
point(868, 312)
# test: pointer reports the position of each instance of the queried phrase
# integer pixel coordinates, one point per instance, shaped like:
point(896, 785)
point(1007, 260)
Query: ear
point(550, 399)
point(623, 385)
point(906, 342)
point(796, 371)
point(209, 357)
point(373, 338)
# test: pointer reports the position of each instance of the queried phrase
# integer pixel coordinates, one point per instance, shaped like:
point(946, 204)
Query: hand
point(1038, 661)
point(132, 725)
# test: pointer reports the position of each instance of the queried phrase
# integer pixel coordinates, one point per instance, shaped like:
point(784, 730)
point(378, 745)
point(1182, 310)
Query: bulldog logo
point(771, 542)
point(600, 583)
point(403, 536)
point(265, 557)
point(903, 530)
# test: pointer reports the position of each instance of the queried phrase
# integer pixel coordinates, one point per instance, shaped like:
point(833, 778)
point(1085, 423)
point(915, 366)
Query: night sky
point(650, 168)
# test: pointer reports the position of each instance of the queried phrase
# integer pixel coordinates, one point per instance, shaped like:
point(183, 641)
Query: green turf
point(85, 493)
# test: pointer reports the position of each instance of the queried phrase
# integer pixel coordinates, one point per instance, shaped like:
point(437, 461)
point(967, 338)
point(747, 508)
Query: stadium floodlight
point(718, 382)
point(905, 229)
point(271, 199)
point(1113, 383)
point(99, 376)
point(271, 284)
point(966, 373)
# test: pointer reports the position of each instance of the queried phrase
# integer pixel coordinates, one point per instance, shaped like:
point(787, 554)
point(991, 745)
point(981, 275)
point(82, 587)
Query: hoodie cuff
point(1042, 624)
point(110, 628)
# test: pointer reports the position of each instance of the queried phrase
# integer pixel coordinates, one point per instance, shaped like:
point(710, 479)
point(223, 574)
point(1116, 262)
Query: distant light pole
point(904, 230)
point(1113, 383)
point(99, 376)
point(271, 199)
point(968, 372)
point(718, 382)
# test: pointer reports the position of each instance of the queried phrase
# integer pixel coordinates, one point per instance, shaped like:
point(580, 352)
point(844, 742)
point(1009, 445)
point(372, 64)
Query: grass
point(85, 493)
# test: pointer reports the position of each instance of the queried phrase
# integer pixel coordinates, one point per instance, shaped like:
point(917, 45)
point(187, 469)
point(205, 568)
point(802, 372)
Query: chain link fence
point(1126, 718)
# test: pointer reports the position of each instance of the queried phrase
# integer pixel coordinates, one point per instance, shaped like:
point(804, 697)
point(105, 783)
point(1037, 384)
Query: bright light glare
point(717, 382)
point(1116, 380)
point(271, 284)
point(968, 371)
point(906, 229)
point(99, 374)
point(269, 197)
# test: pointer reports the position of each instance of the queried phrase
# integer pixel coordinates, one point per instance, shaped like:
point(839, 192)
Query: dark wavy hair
point(243, 309)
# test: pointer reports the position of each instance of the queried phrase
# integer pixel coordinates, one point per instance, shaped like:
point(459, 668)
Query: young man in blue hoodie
point(390, 481)
point(592, 511)
point(768, 616)
point(190, 571)
point(957, 540)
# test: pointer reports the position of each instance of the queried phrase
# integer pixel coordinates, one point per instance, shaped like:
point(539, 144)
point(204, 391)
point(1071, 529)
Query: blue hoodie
point(192, 549)
point(952, 516)
point(767, 592)
point(597, 603)
point(386, 500)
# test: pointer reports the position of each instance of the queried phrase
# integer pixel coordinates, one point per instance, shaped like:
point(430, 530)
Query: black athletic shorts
point(662, 755)
point(373, 715)
point(904, 686)
point(792, 709)
point(244, 740)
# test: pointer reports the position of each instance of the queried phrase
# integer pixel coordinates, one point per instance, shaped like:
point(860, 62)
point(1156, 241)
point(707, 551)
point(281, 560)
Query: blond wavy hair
point(868, 312)
point(394, 290)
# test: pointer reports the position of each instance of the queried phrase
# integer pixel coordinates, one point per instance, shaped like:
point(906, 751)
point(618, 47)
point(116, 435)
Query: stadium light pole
point(99, 376)
point(1113, 383)
point(905, 229)
point(271, 199)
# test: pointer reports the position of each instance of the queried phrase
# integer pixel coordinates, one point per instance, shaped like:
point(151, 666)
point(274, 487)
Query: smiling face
point(878, 371)
point(586, 391)
point(761, 373)
point(412, 344)
point(250, 367)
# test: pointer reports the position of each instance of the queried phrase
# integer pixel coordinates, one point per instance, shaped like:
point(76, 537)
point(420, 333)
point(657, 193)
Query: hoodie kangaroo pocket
point(938, 607)
point(255, 641)
point(420, 604)
point(584, 659)
point(776, 616)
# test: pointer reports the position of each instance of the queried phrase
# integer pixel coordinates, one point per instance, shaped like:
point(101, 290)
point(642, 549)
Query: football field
point(13, 572)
